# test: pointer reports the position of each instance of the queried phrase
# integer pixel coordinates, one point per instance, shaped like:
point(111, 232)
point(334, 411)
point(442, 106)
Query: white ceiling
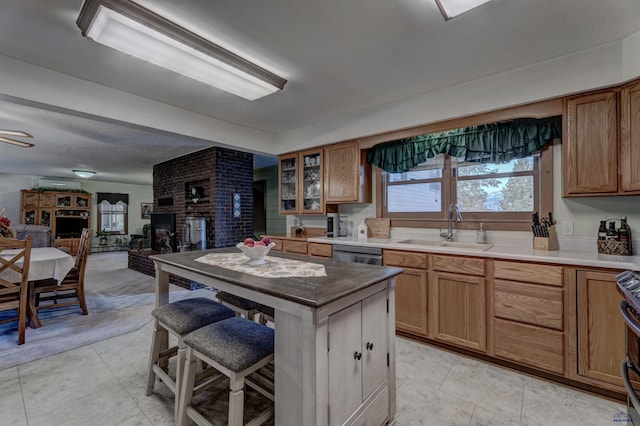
point(339, 57)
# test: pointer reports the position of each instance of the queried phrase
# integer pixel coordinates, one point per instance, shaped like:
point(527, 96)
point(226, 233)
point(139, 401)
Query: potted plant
point(104, 237)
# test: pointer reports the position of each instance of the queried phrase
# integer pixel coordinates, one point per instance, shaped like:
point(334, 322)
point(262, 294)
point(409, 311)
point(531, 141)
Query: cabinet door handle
point(369, 346)
point(357, 355)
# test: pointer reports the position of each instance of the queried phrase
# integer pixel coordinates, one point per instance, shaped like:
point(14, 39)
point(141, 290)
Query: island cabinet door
point(358, 366)
point(345, 363)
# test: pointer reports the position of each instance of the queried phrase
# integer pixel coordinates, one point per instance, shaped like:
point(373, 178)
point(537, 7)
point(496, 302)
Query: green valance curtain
point(487, 143)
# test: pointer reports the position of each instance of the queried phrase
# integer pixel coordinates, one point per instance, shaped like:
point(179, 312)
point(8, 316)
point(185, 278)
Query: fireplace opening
point(163, 232)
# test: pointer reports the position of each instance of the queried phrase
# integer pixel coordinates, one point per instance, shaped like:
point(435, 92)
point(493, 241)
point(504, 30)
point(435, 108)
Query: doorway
point(259, 207)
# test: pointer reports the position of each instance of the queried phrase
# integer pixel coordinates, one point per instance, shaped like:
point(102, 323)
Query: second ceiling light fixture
point(137, 31)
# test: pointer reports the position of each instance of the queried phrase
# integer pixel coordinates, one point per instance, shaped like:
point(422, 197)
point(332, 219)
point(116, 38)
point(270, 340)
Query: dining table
point(44, 263)
point(312, 298)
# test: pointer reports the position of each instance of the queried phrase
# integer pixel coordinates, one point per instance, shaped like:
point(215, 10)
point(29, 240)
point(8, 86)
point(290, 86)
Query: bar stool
point(236, 347)
point(265, 313)
point(179, 318)
point(242, 306)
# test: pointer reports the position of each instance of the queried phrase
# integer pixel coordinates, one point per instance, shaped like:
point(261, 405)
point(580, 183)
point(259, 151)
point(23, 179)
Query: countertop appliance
point(357, 254)
point(333, 223)
point(628, 284)
point(195, 231)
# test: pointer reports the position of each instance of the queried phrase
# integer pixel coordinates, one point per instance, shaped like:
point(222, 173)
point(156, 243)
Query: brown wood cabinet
point(320, 250)
point(601, 146)
point(630, 137)
point(590, 149)
point(66, 213)
point(601, 329)
point(301, 185)
point(457, 305)
point(347, 174)
point(528, 307)
point(411, 290)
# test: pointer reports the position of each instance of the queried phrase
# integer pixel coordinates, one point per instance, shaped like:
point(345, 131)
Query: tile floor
point(103, 384)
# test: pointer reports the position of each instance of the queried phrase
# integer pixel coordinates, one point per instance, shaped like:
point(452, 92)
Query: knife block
point(549, 243)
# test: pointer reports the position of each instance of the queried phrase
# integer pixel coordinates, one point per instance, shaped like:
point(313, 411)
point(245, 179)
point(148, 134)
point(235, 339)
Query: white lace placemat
point(274, 267)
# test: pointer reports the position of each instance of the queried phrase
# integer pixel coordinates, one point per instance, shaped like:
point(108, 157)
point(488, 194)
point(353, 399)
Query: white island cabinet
point(334, 335)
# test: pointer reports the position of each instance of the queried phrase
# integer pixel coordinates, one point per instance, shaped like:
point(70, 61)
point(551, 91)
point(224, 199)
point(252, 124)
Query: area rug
point(119, 301)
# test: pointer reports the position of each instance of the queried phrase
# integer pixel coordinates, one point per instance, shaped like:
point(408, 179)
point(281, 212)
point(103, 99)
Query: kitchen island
point(335, 334)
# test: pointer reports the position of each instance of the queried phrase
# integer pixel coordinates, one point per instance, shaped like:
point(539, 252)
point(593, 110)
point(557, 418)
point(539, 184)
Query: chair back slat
point(83, 248)
point(15, 293)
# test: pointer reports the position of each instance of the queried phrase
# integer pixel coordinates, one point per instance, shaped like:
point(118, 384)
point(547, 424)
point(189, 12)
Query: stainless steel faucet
point(449, 234)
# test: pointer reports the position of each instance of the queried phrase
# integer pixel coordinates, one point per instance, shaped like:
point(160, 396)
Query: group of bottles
point(621, 235)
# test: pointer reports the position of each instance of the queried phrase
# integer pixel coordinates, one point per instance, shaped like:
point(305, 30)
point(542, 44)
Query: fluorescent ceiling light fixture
point(452, 8)
point(16, 143)
point(84, 173)
point(137, 31)
point(15, 133)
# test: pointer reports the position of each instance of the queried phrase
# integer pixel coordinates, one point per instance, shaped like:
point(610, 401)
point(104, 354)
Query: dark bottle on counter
point(602, 231)
point(612, 234)
point(624, 233)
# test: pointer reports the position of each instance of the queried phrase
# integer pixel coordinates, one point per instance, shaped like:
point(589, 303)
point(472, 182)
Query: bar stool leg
point(236, 399)
point(186, 391)
point(153, 358)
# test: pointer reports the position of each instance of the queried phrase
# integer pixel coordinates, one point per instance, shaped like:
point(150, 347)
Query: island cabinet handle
point(369, 346)
point(357, 355)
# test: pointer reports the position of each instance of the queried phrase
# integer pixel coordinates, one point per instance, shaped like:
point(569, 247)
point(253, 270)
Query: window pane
point(512, 194)
point(419, 197)
point(518, 165)
point(415, 175)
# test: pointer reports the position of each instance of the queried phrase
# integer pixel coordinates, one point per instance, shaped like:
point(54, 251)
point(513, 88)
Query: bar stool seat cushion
point(235, 343)
point(187, 315)
point(234, 300)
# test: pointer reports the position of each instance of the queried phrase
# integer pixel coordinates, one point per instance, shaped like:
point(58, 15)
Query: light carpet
point(119, 301)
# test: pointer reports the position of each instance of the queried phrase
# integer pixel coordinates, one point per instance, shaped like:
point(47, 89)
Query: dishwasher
point(357, 254)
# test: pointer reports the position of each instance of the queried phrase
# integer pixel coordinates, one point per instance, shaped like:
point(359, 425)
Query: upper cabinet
point(300, 183)
point(348, 175)
point(601, 146)
point(630, 136)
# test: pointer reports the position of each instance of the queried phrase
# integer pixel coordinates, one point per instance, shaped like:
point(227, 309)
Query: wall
point(276, 223)
point(10, 186)
point(220, 172)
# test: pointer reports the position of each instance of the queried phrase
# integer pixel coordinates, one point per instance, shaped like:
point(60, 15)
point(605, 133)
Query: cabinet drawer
point(294, 246)
point(320, 250)
point(529, 303)
point(459, 265)
point(529, 272)
point(278, 244)
point(526, 344)
point(404, 258)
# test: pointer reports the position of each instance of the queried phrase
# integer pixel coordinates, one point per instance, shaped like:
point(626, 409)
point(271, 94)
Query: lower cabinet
point(601, 329)
point(411, 290)
point(528, 304)
point(458, 302)
point(71, 243)
point(358, 361)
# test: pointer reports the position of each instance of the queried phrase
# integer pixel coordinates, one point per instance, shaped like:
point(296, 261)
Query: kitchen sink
point(465, 246)
point(420, 242)
point(451, 244)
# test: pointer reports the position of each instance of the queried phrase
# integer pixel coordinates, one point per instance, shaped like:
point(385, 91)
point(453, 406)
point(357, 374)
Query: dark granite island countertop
point(334, 335)
point(342, 278)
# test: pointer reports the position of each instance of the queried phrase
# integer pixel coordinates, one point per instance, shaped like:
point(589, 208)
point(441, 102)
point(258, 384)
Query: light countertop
point(522, 251)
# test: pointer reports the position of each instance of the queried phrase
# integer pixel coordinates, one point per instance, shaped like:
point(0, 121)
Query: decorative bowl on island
point(255, 250)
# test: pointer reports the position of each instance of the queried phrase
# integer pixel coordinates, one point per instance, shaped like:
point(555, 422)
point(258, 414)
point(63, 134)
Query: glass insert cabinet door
point(288, 183)
point(311, 191)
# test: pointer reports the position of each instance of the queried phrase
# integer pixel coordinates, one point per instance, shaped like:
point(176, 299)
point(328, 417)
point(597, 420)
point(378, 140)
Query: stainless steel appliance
point(343, 226)
point(332, 225)
point(195, 232)
point(628, 284)
point(357, 254)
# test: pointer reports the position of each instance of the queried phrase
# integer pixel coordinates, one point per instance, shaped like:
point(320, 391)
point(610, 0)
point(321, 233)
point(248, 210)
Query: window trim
point(543, 174)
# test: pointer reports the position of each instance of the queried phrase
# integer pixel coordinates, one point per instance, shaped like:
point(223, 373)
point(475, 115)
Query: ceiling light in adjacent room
point(452, 8)
point(84, 173)
point(137, 31)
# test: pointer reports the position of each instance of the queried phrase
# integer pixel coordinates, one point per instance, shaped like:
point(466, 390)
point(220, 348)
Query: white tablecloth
point(46, 262)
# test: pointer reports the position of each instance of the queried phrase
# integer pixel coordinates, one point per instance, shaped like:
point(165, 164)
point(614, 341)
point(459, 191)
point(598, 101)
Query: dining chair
point(71, 286)
point(13, 294)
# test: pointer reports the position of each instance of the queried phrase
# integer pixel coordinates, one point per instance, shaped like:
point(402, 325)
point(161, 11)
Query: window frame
point(108, 197)
point(513, 221)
